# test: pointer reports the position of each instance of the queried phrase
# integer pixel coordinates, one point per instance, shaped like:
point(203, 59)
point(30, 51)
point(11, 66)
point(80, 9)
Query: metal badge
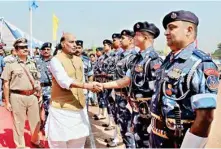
point(138, 26)
point(173, 15)
point(139, 68)
point(175, 73)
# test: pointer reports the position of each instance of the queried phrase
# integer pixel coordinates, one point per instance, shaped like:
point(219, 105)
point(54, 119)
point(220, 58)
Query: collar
point(27, 61)
point(107, 54)
point(119, 51)
point(125, 53)
point(145, 52)
point(46, 60)
point(186, 52)
point(67, 55)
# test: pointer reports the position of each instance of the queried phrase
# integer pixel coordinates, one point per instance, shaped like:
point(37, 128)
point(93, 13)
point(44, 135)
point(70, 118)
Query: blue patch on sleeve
point(203, 101)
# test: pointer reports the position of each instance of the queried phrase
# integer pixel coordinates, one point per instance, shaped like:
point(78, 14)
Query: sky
point(94, 21)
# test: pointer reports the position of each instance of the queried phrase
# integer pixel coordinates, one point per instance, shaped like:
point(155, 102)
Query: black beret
point(147, 27)
point(46, 45)
point(180, 15)
point(99, 49)
point(116, 35)
point(106, 41)
point(79, 43)
point(127, 33)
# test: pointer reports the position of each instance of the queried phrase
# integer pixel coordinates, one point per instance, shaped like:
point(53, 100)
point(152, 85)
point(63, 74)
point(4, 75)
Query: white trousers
point(75, 143)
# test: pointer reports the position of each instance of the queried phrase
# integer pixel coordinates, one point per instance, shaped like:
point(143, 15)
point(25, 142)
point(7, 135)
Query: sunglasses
point(46, 49)
point(22, 47)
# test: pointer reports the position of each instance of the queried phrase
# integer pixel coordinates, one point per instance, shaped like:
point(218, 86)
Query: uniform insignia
point(211, 71)
point(168, 92)
point(124, 33)
point(156, 66)
point(139, 68)
point(138, 26)
point(169, 86)
point(173, 15)
point(212, 82)
point(175, 73)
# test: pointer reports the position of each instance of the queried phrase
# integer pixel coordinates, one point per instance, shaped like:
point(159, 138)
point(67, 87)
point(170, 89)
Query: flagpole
point(31, 50)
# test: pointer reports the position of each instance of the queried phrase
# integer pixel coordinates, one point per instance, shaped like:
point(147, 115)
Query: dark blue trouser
point(123, 118)
point(45, 105)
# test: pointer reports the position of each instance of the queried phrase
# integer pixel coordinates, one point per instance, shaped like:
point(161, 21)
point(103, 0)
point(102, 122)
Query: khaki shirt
point(18, 79)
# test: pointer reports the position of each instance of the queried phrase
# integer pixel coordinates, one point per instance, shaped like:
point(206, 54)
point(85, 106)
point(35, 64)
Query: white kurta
point(65, 125)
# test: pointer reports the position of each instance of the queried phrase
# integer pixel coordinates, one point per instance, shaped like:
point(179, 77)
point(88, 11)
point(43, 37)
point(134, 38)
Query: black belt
point(45, 84)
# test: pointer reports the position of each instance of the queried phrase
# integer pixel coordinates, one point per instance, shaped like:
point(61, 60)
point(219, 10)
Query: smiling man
point(185, 98)
point(67, 125)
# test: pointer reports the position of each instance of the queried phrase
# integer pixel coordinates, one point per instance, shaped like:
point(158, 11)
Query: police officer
point(101, 76)
point(99, 52)
point(21, 90)
point(187, 83)
point(123, 115)
point(88, 70)
point(42, 65)
point(141, 78)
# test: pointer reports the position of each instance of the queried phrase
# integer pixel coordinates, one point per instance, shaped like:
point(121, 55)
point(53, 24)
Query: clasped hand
point(97, 87)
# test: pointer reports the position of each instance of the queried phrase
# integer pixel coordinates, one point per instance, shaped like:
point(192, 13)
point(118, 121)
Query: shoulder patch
point(212, 82)
point(202, 55)
point(11, 61)
point(153, 55)
point(211, 71)
point(156, 66)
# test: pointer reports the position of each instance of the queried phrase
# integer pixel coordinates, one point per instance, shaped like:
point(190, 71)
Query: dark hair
point(92, 54)
point(58, 47)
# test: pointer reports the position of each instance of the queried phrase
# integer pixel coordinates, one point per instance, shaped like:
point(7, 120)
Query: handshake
point(95, 87)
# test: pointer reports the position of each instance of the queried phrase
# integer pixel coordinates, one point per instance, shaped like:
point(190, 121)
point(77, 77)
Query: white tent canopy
point(9, 33)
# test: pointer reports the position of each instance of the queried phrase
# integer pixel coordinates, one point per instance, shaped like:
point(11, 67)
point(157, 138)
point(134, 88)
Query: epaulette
point(153, 55)
point(202, 55)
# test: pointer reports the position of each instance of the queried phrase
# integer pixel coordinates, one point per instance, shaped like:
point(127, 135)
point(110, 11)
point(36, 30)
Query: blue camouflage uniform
point(45, 79)
point(143, 76)
point(185, 82)
point(123, 115)
point(101, 77)
point(88, 72)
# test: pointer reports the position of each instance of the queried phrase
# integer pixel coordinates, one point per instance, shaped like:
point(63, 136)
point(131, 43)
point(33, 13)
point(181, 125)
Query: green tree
point(217, 53)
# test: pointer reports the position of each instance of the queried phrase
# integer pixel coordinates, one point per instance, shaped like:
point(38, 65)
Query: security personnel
point(187, 83)
point(22, 91)
point(46, 78)
point(99, 52)
point(141, 78)
point(123, 115)
point(88, 70)
point(101, 76)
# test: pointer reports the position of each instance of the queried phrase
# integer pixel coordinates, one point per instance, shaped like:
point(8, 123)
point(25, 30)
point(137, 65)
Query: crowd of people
point(148, 101)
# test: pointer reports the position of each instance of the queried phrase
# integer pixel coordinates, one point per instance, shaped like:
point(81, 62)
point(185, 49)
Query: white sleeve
point(60, 74)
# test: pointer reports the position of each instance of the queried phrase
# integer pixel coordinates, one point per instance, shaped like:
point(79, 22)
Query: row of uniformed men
point(172, 100)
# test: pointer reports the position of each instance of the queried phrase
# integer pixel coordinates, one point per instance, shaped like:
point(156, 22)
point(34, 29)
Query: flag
point(33, 5)
point(55, 21)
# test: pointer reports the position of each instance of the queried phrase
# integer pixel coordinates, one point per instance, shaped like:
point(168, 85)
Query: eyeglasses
point(22, 47)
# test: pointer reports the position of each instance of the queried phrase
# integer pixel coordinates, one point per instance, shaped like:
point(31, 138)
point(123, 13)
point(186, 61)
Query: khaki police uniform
point(22, 97)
